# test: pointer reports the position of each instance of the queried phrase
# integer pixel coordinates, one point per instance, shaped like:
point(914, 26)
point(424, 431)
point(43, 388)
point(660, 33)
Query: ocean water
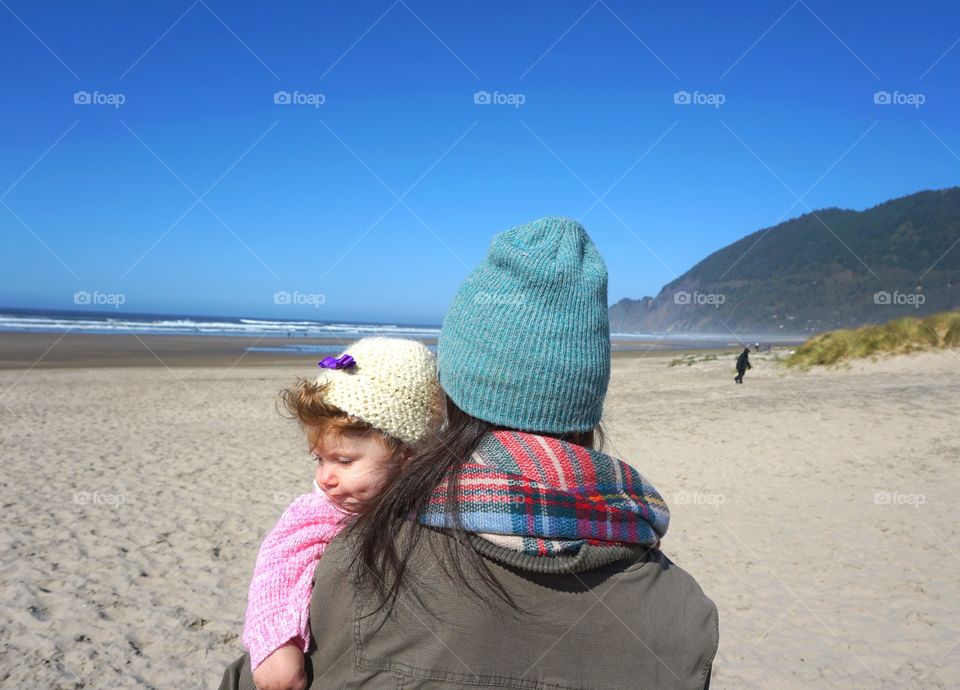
point(50, 321)
point(15, 320)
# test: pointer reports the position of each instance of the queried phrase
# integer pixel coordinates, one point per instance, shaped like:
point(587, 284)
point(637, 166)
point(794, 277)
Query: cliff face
point(827, 269)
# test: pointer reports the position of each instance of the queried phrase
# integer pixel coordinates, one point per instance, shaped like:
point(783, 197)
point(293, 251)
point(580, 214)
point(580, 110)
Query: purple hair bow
point(342, 362)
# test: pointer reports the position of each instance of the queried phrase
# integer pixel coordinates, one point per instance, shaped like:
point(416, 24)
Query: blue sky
point(383, 196)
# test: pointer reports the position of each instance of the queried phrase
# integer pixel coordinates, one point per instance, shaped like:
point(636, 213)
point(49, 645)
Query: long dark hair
point(381, 557)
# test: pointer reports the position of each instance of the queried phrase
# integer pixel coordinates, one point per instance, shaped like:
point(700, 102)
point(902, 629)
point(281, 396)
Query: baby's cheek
point(376, 482)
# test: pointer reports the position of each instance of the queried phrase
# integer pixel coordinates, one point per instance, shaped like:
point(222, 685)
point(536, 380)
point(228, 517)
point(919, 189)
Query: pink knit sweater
point(278, 607)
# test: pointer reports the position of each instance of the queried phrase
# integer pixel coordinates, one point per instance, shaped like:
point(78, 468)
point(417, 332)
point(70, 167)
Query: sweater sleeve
point(279, 600)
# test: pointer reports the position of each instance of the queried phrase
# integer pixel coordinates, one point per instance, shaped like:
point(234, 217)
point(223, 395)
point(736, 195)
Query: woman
point(534, 560)
point(743, 363)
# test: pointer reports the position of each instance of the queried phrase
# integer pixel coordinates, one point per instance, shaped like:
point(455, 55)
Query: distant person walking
point(743, 363)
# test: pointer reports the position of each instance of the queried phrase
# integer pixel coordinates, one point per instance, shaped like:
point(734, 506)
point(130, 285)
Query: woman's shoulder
point(498, 643)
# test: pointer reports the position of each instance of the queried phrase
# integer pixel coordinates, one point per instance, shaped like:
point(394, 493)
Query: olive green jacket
point(625, 618)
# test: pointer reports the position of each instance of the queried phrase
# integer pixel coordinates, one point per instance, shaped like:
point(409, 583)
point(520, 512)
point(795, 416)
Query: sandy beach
point(817, 510)
point(74, 350)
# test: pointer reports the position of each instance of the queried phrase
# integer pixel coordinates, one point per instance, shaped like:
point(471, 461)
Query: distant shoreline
point(20, 350)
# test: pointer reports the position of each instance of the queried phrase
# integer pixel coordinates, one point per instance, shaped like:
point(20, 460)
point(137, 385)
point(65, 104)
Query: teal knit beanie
point(526, 343)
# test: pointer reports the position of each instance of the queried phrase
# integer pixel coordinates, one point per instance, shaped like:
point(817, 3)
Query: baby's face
point(352, 469)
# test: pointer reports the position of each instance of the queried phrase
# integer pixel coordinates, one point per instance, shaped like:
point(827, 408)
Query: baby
point(362, 417)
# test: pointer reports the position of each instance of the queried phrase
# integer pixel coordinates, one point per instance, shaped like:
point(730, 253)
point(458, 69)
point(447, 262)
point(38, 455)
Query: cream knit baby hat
point(392, 385)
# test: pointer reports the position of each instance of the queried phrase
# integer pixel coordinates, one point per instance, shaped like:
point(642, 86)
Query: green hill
point(827, 269)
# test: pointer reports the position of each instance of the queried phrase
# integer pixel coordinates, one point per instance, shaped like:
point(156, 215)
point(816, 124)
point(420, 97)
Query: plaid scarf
point(545, 497)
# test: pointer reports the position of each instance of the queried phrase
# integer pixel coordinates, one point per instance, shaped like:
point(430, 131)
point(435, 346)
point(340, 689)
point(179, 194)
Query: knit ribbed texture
point(526, 343)
point(278, 603)
point(589, 557)
point(393, 387)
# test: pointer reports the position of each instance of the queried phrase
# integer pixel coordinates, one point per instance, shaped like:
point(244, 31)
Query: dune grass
point(691, 359)
point(909, 334)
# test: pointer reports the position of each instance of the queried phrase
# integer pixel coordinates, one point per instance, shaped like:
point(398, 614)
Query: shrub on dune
point(907, 334)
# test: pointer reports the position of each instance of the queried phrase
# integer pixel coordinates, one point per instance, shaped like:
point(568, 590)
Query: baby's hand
point(282, 670)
